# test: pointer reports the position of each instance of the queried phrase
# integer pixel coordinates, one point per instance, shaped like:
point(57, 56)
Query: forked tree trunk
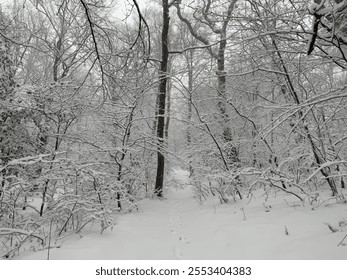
point(231, 153)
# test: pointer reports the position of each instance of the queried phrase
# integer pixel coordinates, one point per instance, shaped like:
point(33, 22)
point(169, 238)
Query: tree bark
point(158, 189)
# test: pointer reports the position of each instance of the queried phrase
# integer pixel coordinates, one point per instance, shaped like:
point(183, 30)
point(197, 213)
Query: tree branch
point(192, 31)
point(142, 19)
point(92, 31)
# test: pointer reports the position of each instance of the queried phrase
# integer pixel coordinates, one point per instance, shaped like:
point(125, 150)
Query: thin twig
point(342, 240)
point(49, 240)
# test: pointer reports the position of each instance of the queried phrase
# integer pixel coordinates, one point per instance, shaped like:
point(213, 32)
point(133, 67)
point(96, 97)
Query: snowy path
point(179, 228)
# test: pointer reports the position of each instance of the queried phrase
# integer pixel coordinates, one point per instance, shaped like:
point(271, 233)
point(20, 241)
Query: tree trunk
point(230, 151)
point(158, 190)
point(189, 118)
point(168, 105)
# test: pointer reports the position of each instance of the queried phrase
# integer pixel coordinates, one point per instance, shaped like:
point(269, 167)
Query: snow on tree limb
point(7, 231)
point(326, 164)
point(332, 18)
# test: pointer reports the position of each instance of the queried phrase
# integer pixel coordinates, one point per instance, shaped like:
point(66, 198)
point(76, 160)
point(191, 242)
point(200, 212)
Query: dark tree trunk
point(158, 190)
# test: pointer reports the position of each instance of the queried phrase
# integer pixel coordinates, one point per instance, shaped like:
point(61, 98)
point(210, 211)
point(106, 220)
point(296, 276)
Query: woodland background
point(100, 99)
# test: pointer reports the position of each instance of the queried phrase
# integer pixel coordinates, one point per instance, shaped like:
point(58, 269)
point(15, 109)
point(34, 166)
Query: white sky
point(120, 6)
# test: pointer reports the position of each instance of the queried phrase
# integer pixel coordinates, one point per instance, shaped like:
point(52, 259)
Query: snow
point(178, 227)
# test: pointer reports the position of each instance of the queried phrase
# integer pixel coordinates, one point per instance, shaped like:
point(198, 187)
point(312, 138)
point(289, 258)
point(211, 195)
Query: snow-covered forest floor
point(179, 227)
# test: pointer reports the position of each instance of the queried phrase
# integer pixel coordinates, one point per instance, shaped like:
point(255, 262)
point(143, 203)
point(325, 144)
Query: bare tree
point(207, 16)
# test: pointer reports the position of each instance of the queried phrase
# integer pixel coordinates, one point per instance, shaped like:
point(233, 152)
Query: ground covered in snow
point(179, 227)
